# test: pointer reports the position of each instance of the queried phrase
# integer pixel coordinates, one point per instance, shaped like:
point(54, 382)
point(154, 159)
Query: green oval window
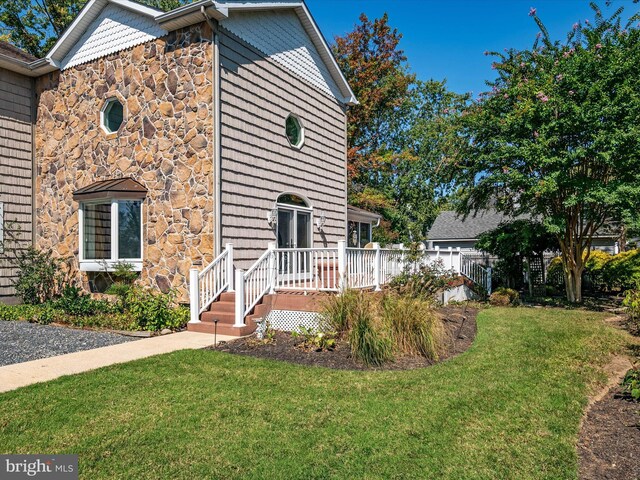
point(112, 115)
point(294, 131)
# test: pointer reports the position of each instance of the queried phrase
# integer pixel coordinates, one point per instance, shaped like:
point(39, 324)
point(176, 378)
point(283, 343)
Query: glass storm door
point(294, 231)
point(286, 228)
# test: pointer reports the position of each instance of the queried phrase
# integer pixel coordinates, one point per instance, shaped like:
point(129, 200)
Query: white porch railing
point(206, 286)
point(306, 269)
point(315, 269)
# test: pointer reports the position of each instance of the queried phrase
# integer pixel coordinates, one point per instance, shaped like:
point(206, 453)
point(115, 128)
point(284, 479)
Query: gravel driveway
point(23, 341)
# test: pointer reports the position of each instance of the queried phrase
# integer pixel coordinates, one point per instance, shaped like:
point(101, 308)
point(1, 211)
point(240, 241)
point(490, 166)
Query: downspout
point(217, 148)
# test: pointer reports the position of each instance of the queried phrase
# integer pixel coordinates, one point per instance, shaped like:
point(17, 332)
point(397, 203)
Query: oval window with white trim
point(294, 131)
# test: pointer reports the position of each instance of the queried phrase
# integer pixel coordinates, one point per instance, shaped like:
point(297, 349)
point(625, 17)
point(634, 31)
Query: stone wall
point(164, 143)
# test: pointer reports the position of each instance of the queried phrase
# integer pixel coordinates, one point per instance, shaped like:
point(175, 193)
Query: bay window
point(110, 224)
point(110, 232)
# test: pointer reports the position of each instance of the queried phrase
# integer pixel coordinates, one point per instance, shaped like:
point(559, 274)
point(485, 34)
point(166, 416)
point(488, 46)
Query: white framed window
point(112, 115)
point(358, 234)
point(110, 232)
point(294, 130)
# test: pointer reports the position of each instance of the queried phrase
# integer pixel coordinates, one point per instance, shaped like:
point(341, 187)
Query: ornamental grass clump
point(414, 326)
point(380, 326)
point(338, 312)
point(369, 340)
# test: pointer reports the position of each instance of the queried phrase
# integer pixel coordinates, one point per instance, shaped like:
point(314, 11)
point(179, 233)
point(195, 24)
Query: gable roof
point(115, 35)
point(74, 33)
point(451, 226)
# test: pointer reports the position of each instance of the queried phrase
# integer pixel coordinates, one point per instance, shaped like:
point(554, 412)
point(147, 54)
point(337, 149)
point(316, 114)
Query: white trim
point(300, 143)
point(103, 120)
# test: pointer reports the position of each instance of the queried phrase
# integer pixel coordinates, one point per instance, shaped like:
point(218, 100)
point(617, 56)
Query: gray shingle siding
point(15, 171)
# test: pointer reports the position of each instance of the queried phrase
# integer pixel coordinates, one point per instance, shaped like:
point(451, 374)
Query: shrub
point(631, 384)
point(39, 277)
point(312, 339)
point(555, 273)
point(623, 270)
point(499, 299)
point(514, 296)
point(155, 311)
point(122, 278)
point(594, 269)
point(423, 281)
point(631, 303)
point(45, 313)
point(74, 301)
point(415, 327)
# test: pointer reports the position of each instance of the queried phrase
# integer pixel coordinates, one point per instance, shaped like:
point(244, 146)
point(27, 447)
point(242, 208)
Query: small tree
point(558, 136)
point(514, 242)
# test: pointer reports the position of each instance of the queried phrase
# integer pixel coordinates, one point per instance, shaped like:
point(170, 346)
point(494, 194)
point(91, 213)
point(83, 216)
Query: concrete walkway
point(36, 371)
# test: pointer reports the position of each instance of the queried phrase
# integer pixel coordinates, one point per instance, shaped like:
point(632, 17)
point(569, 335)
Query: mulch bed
point(459, 322)
point(609, 445)
point(609, 442)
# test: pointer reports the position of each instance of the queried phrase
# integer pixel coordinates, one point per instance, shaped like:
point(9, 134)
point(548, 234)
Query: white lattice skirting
point(290, 320)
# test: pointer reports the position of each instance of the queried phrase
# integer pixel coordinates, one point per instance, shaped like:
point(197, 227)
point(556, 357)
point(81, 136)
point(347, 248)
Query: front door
point(294, 228)
point(294, 232)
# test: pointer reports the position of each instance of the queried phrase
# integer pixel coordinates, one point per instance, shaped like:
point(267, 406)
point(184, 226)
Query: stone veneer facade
point(165, 143)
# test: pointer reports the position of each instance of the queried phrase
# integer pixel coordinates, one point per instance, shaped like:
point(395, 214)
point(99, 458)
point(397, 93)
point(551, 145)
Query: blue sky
point(447, 38)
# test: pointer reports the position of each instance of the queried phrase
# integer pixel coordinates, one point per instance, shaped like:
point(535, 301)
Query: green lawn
point(507, 408)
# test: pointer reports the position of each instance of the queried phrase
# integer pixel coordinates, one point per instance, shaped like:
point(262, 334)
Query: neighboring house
point(161, 137)
point(17, 119)
point(452, 230)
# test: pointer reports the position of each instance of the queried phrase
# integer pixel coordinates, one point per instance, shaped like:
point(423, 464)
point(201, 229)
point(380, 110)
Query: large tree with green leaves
point(396, 134)
point(558, 136)
point(36, 25)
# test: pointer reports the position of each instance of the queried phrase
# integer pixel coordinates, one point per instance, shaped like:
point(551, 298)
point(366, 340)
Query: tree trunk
point(573, 282)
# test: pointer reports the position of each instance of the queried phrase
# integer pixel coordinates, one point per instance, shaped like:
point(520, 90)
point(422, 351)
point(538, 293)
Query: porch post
point(459, 262)
point(194, 295)
point(489, 272)
point(377, 267)
point(273, 271)
point(239, 306)
point(342, 265)
point(230, 277)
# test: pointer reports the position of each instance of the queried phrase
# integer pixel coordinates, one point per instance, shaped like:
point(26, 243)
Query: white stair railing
point(253, 284)
point(476, 273)
point(206, 286)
